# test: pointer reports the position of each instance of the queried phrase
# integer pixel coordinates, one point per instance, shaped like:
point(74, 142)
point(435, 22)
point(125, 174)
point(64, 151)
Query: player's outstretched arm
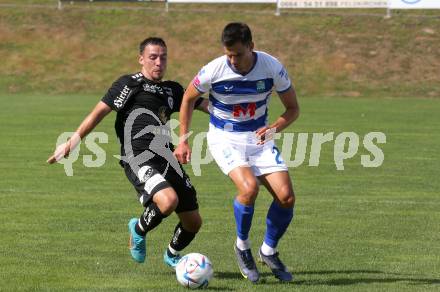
point(87, 125)
point(182, 151)
point(290, 102)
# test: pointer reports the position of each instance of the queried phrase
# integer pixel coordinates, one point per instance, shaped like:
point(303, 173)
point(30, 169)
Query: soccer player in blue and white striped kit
point(239, 84)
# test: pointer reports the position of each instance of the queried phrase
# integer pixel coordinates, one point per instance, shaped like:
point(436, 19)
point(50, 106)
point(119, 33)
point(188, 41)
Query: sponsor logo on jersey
point(229, 88)
point(196, 81)
point(122, 97)
point(239, 110)
point(152, 88)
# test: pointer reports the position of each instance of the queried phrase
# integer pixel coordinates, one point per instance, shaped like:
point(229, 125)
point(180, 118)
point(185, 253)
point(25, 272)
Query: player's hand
point(62, 151)
point(183, 153)
point(265, 134)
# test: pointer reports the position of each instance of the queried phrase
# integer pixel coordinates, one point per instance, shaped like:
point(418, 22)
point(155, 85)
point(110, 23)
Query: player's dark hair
point(151, 41)
point(235, 32)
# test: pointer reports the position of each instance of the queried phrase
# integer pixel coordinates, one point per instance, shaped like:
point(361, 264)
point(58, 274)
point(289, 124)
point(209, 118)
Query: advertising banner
point(414, 4)
point(333, 3)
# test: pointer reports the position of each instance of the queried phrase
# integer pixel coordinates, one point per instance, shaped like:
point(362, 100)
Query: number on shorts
point(277, 156)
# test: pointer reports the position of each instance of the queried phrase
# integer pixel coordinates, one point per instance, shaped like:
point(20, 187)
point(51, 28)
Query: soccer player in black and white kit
point(144, 103)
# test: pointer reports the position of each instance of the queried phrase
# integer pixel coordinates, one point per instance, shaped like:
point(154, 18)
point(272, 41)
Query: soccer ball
point(194, 270)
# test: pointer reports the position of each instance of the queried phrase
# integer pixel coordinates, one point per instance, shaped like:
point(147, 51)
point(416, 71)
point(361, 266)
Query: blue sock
point(243, 219)
point(277, 221)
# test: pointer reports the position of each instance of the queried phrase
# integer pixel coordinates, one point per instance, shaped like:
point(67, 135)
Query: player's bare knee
point(288, 202)
point(167, 203)
point(248, 191)
point(172, 203)
point(286, 197)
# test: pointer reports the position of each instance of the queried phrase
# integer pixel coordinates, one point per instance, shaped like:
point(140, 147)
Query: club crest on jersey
point(261, 86)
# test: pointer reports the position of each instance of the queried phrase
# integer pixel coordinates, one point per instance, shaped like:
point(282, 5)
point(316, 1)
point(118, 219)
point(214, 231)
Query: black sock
point(139, 230)
point(170, 254)
point(151, 217)
point(181, 239)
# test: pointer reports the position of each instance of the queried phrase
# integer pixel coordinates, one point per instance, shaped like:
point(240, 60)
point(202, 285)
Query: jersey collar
point(250, 70)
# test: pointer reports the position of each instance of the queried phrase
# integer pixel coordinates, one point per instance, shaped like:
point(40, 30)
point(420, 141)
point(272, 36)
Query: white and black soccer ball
point(194, 270)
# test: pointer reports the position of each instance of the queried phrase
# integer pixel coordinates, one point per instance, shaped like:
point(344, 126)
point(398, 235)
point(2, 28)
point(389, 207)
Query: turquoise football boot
point(136, 242)
point(171, 261)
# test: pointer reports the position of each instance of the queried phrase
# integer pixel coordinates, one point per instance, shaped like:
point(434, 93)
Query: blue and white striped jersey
point(238, 102)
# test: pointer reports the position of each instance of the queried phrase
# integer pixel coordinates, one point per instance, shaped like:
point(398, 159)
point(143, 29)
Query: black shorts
point(154, 180)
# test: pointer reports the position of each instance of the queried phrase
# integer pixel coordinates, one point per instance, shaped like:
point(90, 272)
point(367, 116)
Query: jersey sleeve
point(202, 81)
point(281, 78)
point(178, 92)
point(177, 95)
point(119, 93)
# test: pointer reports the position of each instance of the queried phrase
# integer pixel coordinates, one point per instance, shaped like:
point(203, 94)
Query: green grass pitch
point(360, 229)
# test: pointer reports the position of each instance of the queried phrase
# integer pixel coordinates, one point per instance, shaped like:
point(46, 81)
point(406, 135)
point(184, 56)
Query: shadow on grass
point(235, 275)
point(218, 288)
point(265, 278)
point(328, 272)
point(373, 276)
point(380, 277)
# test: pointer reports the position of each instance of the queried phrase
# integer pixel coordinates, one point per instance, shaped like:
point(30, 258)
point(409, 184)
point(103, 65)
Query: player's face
point(240, 56)
point(154, 62)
